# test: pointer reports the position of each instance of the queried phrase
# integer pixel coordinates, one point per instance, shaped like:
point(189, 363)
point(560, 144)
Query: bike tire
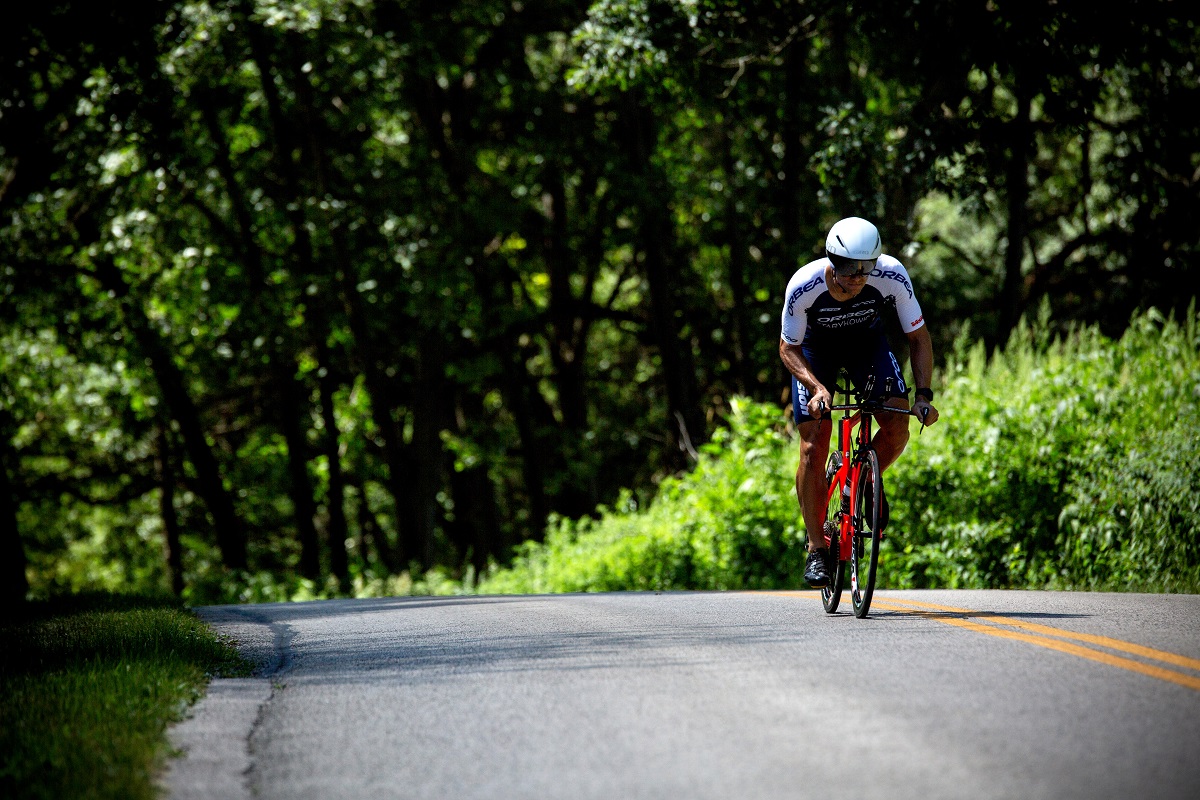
point(864, 553)
point(831, 593)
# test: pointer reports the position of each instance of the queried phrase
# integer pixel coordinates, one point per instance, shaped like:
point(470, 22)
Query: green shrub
point(1042, 452)
point(1135, 526)
point(731, 523)
point(1059, 462)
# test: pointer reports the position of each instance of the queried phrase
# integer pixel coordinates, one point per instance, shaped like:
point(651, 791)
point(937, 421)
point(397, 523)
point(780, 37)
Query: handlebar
point(870, 408)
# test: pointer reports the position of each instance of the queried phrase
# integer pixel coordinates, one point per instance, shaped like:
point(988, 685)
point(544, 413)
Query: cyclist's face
point(851, 284)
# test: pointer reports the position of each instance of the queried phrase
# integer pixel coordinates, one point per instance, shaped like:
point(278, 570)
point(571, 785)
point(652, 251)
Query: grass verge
point(88, 686)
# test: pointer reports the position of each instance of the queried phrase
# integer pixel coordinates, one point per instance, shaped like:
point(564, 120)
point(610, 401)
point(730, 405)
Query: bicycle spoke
point(831, 594)
point(864, 556)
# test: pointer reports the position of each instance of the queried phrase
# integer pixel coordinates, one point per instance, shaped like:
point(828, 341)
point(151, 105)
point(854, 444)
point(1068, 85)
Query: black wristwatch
point(925, 392)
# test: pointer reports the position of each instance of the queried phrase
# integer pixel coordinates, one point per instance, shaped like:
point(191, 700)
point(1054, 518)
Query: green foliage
point(427, 264)
point(1136, 525)
point(628, 43)
point(1059, 462)
point(87, 520)
point(87, 687)
point(730, 523)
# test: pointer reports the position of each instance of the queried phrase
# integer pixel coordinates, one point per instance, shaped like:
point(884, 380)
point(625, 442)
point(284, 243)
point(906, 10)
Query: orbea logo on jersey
point(895, 276)
point(835, 320)
point(812, 284)
point(916, 321)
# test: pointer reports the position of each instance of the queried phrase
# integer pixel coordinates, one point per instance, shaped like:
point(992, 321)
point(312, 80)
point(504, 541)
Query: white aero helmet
point(853, 245)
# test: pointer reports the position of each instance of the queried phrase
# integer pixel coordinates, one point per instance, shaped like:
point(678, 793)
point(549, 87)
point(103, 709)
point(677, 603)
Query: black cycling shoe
point(815, 570)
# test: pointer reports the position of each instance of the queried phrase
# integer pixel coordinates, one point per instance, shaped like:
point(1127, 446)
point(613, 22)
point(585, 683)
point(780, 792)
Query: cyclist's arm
point(920, 350)
point(793, 358)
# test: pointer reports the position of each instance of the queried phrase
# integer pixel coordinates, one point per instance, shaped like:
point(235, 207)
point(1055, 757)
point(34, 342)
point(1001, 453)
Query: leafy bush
point(731, 523)
point(1059, 462)
point(1136, 525)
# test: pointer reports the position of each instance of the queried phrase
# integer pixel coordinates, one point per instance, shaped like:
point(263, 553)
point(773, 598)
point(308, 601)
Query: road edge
point(211, 746)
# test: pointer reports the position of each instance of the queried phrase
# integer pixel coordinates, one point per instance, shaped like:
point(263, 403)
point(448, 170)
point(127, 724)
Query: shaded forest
point(341, 290)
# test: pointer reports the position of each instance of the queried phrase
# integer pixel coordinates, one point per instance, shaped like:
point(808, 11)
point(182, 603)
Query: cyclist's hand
point(925, 412)
point(819, 403)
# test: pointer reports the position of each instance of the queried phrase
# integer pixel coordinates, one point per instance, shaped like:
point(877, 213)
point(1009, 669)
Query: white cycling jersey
point(811, 314)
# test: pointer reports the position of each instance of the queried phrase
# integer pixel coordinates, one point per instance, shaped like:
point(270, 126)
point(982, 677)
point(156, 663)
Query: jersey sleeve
point(795, 322)
point(804, 286)
point(897, 284)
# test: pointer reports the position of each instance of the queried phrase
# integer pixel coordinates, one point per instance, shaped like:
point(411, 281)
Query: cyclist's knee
point(895, 427)
point(815, 431)
point(814, 444)
point(814, 455)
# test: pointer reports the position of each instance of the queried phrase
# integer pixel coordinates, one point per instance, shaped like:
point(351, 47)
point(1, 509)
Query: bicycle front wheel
point(864, 553)
point(831, 594)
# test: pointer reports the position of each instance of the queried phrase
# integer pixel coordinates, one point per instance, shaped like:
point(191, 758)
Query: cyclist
point(833, 317)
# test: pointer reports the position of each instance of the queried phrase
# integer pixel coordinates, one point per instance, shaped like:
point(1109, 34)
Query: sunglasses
point(854, 269)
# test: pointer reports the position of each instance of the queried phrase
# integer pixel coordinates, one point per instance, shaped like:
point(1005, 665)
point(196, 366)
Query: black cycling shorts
point(862, 361)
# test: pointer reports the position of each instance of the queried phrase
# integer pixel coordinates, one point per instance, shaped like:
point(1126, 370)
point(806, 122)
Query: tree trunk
point(304, 508)
point(678, 372)
point(337, 531)
point(166, 484)
point(568, 350)
point(793, 128)
point(383, 397)
point(426, 442)
point(231, 536)
point(371, 532)
point(532, 453)
point(12, 552)
point(475, 530)
point(688, 426)
point(1017, 185)
point(383, 402)
point(743, 346)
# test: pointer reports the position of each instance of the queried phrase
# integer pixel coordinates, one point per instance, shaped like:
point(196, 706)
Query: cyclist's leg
point(879, 368)
point(811, 487)
point(877, 373)
point(891, 433)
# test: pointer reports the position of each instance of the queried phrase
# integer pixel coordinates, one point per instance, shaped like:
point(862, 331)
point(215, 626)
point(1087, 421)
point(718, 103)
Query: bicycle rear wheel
point(864, 554)
point(831, 593)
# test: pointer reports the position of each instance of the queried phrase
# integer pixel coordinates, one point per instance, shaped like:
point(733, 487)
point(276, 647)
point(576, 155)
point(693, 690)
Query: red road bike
point(853, 505)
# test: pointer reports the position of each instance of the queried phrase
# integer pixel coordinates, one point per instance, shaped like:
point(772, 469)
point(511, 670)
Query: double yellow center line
point(1056, 639)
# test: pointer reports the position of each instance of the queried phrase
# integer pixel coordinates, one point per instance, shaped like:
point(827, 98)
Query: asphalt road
point(705, 695)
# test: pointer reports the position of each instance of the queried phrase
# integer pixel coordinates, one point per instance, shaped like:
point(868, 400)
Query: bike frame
point(854, 456)
point(843, 486)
